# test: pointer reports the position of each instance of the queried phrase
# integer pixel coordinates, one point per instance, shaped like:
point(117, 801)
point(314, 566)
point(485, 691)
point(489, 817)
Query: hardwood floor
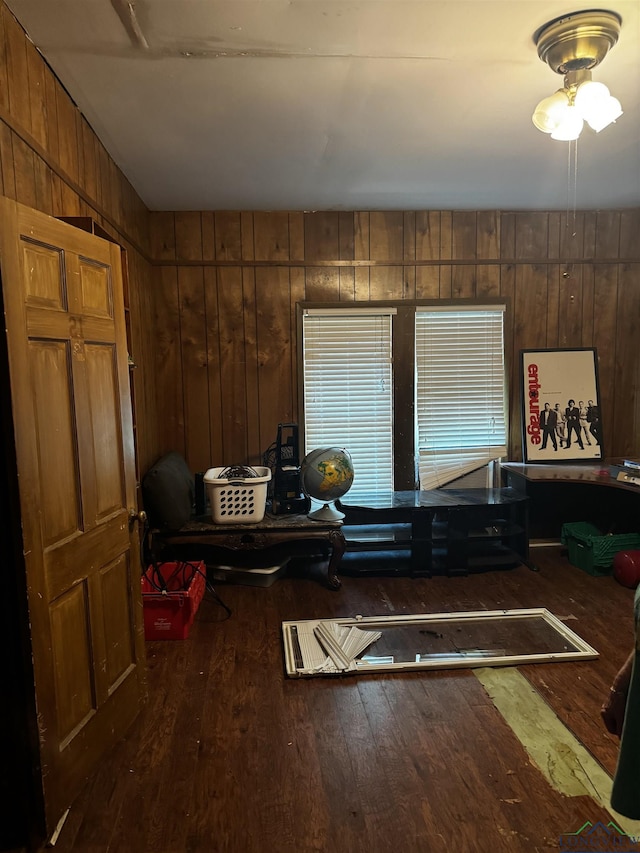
point(230, 755)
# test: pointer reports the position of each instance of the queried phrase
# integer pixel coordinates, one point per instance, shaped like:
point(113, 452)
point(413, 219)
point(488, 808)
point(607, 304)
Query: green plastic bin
point(592, 551)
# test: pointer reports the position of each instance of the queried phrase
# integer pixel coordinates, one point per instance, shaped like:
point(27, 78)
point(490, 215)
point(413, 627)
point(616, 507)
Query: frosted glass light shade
point(551, 111)
point(570, 127)
point(596, 105)
point(588, 95)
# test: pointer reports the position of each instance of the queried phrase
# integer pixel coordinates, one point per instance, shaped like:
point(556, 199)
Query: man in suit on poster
point(593, 419)
point(572, 414)
point(548, 422)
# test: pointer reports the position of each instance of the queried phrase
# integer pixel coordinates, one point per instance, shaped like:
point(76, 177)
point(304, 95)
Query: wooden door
point(62, 293)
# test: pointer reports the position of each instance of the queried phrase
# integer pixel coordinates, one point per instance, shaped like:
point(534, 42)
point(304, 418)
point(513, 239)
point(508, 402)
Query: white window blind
point(348, 391)
point(460, 391)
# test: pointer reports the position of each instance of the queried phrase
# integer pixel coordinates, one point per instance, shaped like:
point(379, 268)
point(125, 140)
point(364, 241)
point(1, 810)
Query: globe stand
point(326, 513)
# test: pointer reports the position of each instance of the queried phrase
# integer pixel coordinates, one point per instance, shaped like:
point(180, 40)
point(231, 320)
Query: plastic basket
point(240, 500)
point(590, 550)
point(169, 615)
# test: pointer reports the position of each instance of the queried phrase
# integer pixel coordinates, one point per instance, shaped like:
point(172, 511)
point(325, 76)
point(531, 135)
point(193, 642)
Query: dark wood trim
point(442, 262)
point(404, 462)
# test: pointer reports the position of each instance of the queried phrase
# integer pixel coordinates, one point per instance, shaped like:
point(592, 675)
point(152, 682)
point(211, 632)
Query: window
point(460, 391)
point(430, 407)
point(348, 390)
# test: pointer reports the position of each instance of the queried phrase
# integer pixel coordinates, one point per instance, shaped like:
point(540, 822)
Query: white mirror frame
point(295, 659)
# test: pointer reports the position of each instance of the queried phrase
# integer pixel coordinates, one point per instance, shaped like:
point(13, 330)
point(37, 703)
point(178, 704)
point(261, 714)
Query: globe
point(326, 474)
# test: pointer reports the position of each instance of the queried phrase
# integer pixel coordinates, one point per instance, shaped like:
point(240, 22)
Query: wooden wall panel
point(4, 84)
point(207, 224)
point(163, 237)
point(44, 195)
point(532, 235)
point(464, 235)
point(361, 236)
point(588, 284)
point(51, 160)
point(24, 172)
point(271, 236)
point(488, 281)
point(608, 234)
point(626, 369)
point(252, 363)
point(427, 282)
point(409, 235)
point(530, 306)
point(232, 365)
point(463, 281)
point(488, 234)
point(17, 72)
point(322, 237)
point(228, 236)
point(275, 354)
point(629, 233)
point(214, 395)
point(37, 95)
point(605, 314)
point(296, 295)
point(386, 235)
point(570, 307)
point(347, 237)
point(194, 360)
point(188, 230)
point(322, 284)
point(347, 284)
point(542, 263)
point(427, 235)
point(168, 368)
point(385, 283)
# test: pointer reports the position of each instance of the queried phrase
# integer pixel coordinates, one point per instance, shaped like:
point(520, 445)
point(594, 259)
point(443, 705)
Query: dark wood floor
point(229, 755)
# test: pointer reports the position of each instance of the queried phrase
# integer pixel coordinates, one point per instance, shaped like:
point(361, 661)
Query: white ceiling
point(337, 104)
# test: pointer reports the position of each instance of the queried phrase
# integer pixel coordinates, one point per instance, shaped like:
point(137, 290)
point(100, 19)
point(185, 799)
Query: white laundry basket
point(237, 499)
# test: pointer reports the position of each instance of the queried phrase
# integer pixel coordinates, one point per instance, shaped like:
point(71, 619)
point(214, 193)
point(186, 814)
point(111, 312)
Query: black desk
point(442, 531)
point(582, 492)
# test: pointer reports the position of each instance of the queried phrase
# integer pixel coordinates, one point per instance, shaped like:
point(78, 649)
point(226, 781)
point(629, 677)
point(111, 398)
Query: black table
point(560, 493)
point(443, 531)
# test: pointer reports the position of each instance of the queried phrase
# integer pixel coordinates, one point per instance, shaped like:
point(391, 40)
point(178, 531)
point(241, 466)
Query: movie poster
point(560, 406)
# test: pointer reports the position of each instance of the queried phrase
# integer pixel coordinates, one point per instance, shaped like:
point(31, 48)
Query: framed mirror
point(362, 645)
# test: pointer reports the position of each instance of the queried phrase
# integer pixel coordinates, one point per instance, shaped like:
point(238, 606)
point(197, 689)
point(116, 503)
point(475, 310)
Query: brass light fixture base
point(577, 41)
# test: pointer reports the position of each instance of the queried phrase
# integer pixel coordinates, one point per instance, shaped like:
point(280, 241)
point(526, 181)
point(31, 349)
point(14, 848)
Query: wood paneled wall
point(228, 282)
point(51, 160)
point(213, 294)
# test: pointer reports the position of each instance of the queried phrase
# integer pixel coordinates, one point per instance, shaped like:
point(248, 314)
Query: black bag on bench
point(168, 492)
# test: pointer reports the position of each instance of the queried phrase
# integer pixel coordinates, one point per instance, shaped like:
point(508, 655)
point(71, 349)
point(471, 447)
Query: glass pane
point(479, 638)
point(429, 641)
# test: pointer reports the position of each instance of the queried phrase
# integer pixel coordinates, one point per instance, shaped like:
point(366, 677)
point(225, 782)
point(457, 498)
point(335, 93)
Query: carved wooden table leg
point(338, 547)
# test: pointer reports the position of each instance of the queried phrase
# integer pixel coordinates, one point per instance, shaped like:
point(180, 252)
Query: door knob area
point(134, 516)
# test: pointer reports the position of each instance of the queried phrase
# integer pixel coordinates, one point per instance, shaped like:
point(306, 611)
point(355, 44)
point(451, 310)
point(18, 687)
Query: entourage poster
point(560, 406)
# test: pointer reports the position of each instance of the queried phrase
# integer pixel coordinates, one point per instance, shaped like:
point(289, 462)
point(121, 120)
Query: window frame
point(405, 459)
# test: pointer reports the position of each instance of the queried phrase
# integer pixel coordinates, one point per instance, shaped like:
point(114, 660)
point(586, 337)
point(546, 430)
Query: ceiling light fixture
point(572, 45)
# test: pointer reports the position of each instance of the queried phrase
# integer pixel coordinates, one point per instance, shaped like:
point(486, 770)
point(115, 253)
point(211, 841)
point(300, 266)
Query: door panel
point(62, 291)
point(50, 363)
point(45, 284)
point(105, 427)
point(96, 289)
point(75, 694)
point(120, 646)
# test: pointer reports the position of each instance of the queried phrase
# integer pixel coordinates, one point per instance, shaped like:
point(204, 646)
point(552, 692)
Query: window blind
point(460, 391)
point(348, 391)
